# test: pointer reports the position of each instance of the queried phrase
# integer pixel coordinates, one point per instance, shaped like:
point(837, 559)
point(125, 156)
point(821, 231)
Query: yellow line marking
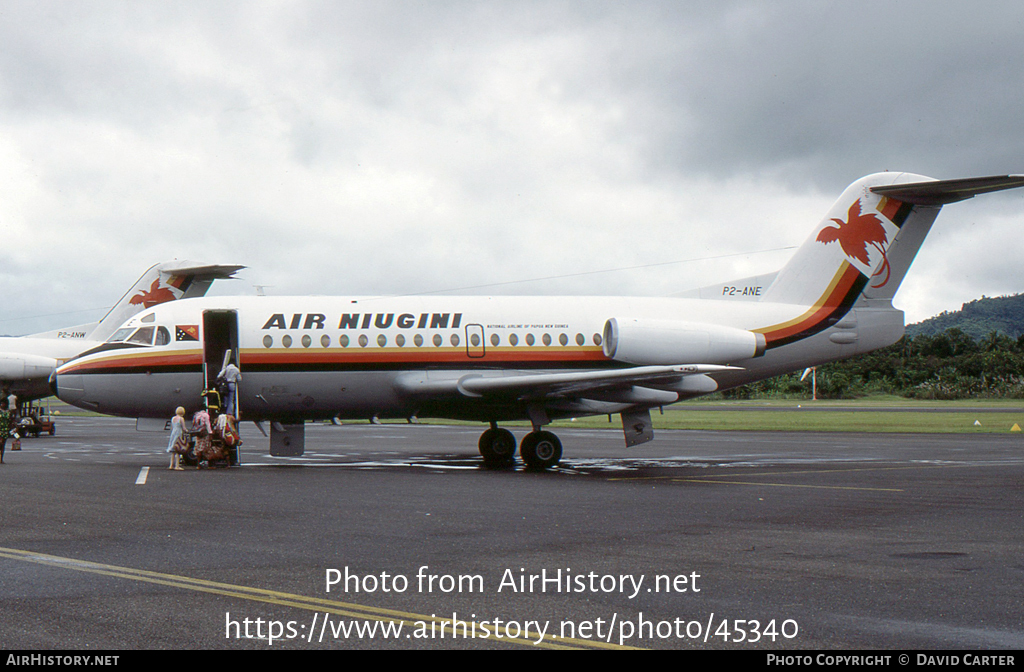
point(352, 610)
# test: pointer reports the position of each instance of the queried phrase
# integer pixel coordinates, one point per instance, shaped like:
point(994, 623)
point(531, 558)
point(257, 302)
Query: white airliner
point(27, 362)
point(495, 359)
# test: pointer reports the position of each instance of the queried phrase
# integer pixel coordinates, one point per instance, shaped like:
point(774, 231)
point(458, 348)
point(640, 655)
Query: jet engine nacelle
point(21, 367)
point(654, 342)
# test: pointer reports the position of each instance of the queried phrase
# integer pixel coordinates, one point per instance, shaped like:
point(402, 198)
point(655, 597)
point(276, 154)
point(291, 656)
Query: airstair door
point(220, 348)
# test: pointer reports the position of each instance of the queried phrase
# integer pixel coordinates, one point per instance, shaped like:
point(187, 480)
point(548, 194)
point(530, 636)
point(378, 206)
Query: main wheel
point(498, 446)
point(540, 450)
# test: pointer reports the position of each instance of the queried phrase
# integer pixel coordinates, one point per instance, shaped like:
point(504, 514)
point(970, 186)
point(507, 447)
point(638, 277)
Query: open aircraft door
point(220, 347)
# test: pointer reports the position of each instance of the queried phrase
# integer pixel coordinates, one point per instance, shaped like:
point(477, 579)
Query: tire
point(498, 447)
point(541, 450)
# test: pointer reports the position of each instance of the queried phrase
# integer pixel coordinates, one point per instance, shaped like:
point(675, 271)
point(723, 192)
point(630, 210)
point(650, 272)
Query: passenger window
point(144, 336)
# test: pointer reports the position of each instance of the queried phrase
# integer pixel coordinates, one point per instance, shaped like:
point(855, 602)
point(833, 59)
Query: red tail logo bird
point(856, 233)
point(854, 236)
point(155, 295)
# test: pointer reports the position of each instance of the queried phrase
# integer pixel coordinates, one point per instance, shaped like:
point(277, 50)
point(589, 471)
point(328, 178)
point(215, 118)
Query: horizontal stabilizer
point(941, 192)
point(205, 271)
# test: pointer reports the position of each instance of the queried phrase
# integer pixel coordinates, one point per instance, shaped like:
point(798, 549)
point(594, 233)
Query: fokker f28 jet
point(496, 359)
point(27, 362)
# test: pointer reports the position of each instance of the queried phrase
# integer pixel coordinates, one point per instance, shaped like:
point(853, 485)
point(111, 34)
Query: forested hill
point(978, 319)
point(975, 352)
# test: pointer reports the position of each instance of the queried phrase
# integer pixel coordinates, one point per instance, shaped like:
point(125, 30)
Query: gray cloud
point(381, 147)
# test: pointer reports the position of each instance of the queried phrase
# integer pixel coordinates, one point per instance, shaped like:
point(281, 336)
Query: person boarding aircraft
point(27, 362)
point(496, 359)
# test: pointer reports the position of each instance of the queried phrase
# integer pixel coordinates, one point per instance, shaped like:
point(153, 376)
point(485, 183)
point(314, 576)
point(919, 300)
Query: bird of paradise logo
point(154, 296)
point(855, 234)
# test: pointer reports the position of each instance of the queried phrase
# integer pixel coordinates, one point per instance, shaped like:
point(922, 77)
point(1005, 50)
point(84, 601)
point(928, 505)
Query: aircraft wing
point(541, 386)
point(631, 392)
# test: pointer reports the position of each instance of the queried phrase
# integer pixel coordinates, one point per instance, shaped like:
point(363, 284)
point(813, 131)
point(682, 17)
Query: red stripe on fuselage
point(153, 360)
point(835, 299)
point(355, 358)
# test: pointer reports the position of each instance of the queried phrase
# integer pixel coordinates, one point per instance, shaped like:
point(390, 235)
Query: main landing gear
point(539, 449)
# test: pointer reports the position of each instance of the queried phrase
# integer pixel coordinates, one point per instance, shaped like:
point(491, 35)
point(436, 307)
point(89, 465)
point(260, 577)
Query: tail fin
point(869, 238)
point(164, 282)
point(864, 247)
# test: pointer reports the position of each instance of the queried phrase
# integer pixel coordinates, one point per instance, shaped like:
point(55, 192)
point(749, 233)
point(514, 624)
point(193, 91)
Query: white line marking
point(143, 473)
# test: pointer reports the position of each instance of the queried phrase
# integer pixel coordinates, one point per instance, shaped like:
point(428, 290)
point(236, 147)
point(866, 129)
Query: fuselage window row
point(437, 340)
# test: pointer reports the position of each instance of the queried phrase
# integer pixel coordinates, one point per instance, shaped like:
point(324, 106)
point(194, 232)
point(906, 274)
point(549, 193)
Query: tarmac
point(396, 536)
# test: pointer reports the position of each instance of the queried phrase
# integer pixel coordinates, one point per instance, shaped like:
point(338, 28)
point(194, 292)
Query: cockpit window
point(141, 336)
point(120, 335)
point(144, 336)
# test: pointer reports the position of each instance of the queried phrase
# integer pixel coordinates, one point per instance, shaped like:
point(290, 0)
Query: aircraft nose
point(68, 387)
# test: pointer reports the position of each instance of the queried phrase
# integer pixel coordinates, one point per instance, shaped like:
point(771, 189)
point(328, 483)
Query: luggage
point(180, 445)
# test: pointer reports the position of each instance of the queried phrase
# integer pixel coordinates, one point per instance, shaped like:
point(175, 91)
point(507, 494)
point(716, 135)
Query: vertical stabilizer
point(864, 247)
point(164, 282)
point(869, 238)
point(849, 251)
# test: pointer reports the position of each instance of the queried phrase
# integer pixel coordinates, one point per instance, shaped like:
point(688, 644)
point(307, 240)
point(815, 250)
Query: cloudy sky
point(508, 147)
